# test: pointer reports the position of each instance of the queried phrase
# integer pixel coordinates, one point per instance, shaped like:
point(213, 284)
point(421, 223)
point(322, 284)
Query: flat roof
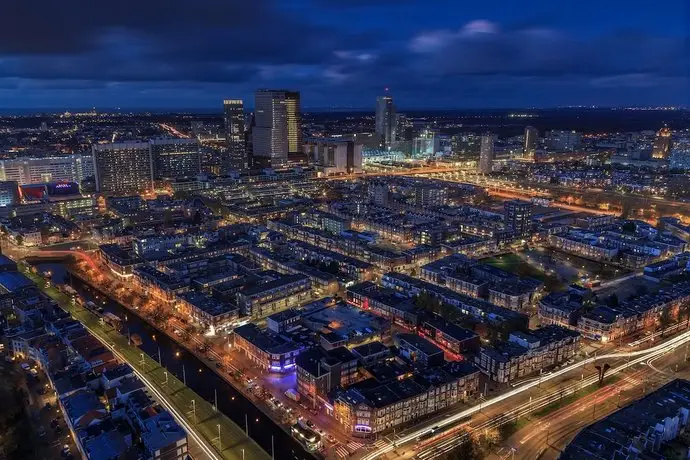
point(13, 281)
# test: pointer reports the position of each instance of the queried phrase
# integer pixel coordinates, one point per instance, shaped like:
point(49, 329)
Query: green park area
point(200, 414)
point(556, 269)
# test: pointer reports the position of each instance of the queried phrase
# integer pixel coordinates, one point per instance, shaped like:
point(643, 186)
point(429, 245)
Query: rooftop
point(11, 281)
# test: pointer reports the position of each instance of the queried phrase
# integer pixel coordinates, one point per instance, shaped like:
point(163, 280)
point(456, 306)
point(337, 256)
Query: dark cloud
point(208, 47)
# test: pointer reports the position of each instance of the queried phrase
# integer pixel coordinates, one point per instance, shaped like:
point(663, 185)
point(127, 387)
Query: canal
point(199, 377)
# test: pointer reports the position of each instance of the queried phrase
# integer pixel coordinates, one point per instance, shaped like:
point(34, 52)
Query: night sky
point(342, 53)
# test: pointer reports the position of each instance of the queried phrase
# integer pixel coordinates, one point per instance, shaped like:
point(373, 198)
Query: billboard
point(62, 188)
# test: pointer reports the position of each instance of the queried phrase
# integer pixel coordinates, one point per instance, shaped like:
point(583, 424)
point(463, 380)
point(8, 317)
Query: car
point(65, 451)
point(41, 432)
point(58, 429)
point(25, 366)
point(310, 424)
point(330, 438)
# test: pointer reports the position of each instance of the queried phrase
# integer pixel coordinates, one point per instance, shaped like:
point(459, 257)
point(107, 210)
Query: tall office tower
point(249, 125)
point(662, 144)
point(386, 120)
point(294, 121)
point(404, 129)
point(68, 168)
point(517, 215)
point(174, 158)
point(486, 154)
point(529, 150)
point(233, 110)
point(278, 126)
point(123, 167)
point(9, 193)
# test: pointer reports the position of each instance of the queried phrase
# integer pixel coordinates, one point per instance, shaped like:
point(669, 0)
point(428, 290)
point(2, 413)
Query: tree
point(664, 319)
point(629, 227)
point(612, 300)
point(159, 316)
point(196, 220)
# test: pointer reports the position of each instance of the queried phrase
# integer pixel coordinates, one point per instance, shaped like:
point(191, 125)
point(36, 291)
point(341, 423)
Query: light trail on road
point(641, 355)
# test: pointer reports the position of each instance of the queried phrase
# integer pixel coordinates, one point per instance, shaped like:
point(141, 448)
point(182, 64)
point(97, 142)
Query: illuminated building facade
point(486, 154)
point(386, 120)
point(278, 126)
point(662, 144)
point(530, 146)
point(68, 168)
point(123, 167)
point(175, 158)
point(233, 111)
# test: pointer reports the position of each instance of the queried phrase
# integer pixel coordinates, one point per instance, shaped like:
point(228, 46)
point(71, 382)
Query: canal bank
point(184, 366)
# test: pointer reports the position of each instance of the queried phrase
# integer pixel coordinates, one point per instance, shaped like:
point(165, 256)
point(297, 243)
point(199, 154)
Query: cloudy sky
point(342, 53)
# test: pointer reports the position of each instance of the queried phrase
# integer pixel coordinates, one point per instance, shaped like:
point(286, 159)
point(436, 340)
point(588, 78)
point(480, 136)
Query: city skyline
point(532, 54)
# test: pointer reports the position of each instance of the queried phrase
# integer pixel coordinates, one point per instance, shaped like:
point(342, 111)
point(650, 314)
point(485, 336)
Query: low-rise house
point(269, 351)
point(207, 311)
point(371, 407)
point(527, 353)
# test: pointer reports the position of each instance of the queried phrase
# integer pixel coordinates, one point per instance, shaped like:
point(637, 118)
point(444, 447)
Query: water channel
point(199, 377)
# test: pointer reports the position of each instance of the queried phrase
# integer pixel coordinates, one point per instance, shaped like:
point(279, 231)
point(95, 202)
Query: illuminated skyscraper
point(662, 144)
point(530, 148)
point(278, 126)
point(294, 121)
point(386, 120)
point(486, 154)
point(233, 111)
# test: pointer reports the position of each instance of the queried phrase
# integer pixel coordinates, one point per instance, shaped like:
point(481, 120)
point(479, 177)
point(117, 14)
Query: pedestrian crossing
point(345, 451)
point(354, 446)
point(380, 444)
point(341, 451)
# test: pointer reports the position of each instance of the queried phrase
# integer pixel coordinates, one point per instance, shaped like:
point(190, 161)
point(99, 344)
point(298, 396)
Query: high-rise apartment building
point(662, 144)
point(68, 168)
point(486, 154)
point(174, 158)
point(123, 167)
point(564, 141)
point(518, 216)
point(277, 127)
point(233, 111)
point(529, 149)
point(386, 120)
